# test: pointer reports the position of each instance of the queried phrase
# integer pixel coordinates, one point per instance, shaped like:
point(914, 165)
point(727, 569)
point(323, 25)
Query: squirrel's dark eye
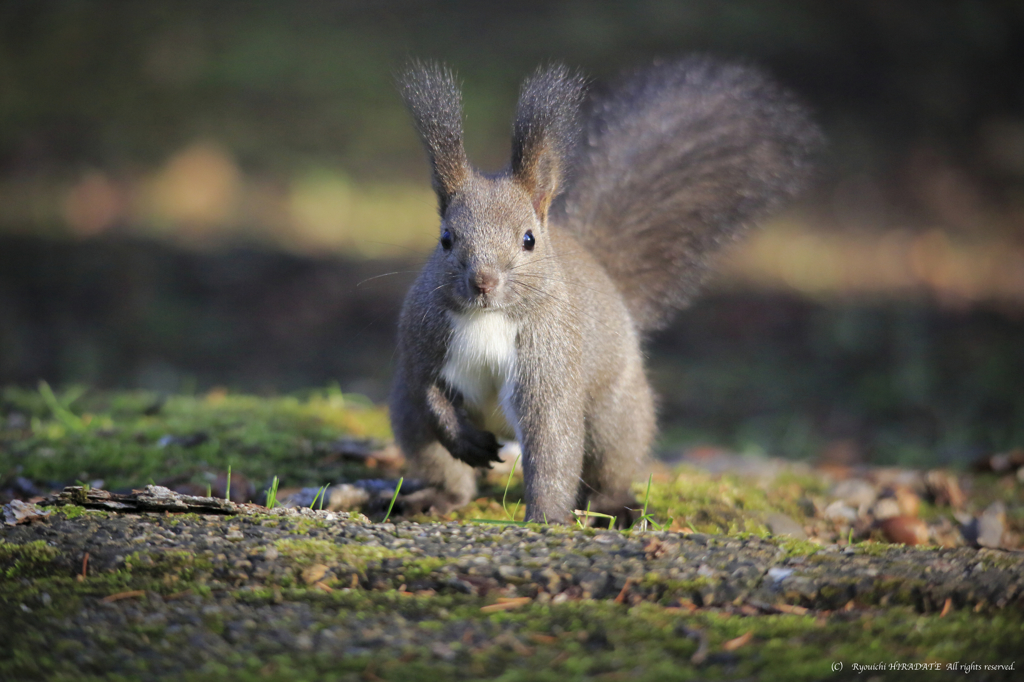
point(446, 240)
point(528, 241)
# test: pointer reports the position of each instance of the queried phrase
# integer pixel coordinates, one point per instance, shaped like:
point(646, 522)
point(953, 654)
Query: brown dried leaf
point(792, 609)
point(314, 574)
point(736, 643)
point(944, 489)
point(906, 530)
point(123, 595)
point(624, 591)
point(654, 549)
point(908, 500)
point(506, 604)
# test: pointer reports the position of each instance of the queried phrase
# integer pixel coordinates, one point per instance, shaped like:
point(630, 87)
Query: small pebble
point(991, 525)
point(783, 524)
point(840, 511)
point(886, 508)
point(856, 492)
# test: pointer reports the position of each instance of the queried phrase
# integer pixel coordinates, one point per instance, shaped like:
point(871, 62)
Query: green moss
point(893, 592)
point(708, 503)
point(795, 546)
point(303, 525)
point(73, 511)
point(26, 560)
point(421, 568)
point(65, 592)
point(308, 551)
point(174, 564)
point(1000, 560)
point(876, 548)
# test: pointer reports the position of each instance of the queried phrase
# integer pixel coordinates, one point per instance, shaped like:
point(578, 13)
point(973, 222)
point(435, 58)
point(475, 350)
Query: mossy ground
point(121, 438)
point(454, 637)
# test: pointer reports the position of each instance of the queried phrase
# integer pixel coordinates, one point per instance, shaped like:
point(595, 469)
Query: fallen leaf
point(790, 608)
point(506, 604)
point(906, 530)
point(908, 500)
point(625, 589)
point(687, 605)
point(654, 549)
point(946, 607)
point(944, 488)
point(123, 595)
point(314, 574)
point(736, 643)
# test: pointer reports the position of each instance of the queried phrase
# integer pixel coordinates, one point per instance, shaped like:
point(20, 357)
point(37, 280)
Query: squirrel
point(528, 319)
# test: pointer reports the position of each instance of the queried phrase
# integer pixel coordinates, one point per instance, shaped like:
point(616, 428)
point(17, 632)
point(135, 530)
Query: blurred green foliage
point(285, 85)
point(893, 382)
point(134, 438)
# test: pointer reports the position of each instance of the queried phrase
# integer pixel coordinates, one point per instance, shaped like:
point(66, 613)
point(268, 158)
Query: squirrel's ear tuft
point(433, 97)
point(544, 132)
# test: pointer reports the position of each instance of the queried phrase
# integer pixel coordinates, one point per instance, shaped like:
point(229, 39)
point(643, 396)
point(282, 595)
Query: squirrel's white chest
point(480, 364)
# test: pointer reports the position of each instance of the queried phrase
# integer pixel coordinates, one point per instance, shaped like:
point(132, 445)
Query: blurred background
point(199, 194)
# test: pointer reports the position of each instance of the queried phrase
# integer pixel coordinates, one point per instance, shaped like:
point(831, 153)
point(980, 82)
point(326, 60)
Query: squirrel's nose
point(484, 280)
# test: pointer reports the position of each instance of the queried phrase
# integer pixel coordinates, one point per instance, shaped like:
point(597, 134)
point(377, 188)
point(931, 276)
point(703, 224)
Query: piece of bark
point(151, 498)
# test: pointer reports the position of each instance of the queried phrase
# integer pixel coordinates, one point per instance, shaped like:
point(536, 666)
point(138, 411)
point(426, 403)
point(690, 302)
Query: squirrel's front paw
point(476, 448)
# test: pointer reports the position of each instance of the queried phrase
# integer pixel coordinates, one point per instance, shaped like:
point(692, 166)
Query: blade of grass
point(511, 516)
point(645, 518)
point(272, 494)
point(319, 494)
point(587, 514)
point(647, 495)
point(393, 498)
point(227, 486)
point(60, 412)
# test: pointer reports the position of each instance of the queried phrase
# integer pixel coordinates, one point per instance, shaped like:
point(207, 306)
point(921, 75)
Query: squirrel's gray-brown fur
point(527, 320)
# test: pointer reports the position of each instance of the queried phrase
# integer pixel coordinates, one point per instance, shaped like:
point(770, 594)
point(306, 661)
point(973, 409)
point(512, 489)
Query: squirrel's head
point(495, 226)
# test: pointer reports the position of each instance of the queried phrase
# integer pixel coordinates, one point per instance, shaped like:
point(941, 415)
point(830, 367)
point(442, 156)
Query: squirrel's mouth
point(485, 302)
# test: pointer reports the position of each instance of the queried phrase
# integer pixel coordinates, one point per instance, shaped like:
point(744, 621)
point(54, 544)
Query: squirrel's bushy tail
point(675, 160)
